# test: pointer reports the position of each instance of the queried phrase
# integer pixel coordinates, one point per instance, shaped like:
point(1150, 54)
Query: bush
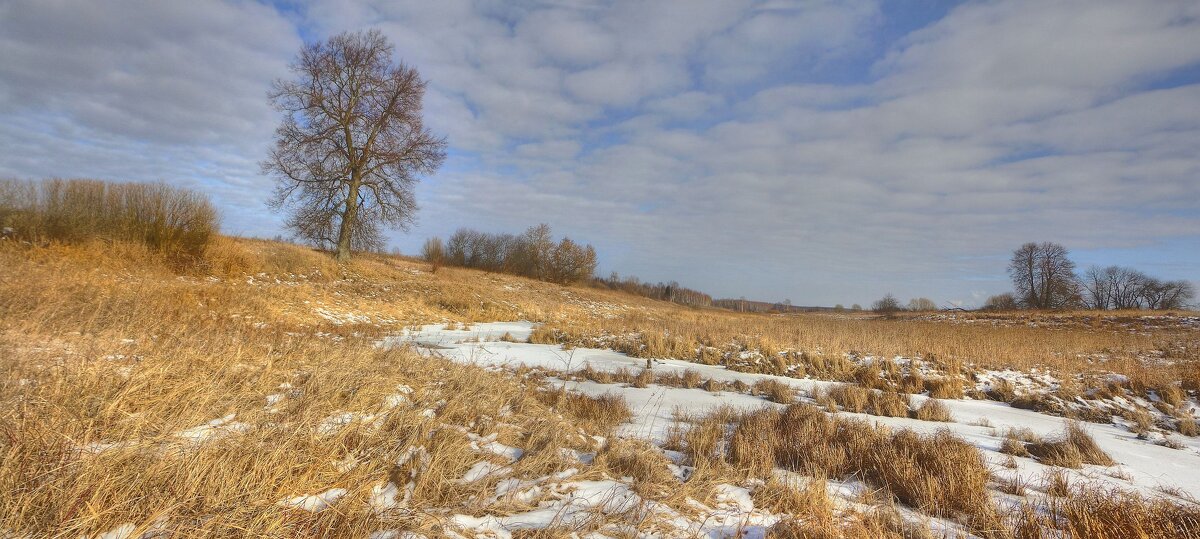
point(171, 220)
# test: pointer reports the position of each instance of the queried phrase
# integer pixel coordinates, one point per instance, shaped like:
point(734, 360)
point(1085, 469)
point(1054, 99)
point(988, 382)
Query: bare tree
point(352, 142)
point(1001, 302)
point(921, 304)
point(888, 305)
point(1044, 276)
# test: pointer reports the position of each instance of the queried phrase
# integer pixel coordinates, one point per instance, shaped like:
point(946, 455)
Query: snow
point(314, 502)
point(124, 531)
point(481, 470)
point(213, 429)
point(1148, 465)
point(490, 445)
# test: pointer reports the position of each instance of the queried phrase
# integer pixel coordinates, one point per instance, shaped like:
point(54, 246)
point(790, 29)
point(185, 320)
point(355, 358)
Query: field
point(264, 390)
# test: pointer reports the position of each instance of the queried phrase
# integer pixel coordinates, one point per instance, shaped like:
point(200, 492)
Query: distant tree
point(352, 142)
point(839, 308)
point(888, 304)
point(921, 304)
point(856, 307)
point(1001, 302)
point(1044, 277)
point(1167, 294)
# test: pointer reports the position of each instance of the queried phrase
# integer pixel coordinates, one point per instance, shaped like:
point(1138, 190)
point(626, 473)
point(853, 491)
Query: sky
point(822, 152)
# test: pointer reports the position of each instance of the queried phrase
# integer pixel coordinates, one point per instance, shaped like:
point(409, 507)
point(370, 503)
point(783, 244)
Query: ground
point(270, 392)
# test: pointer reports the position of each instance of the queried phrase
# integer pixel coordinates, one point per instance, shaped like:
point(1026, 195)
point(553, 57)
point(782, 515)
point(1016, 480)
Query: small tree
point(886, 305)
point(352, 143)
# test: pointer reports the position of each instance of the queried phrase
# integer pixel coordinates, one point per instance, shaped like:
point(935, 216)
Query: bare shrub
point(434, 252)
point(171, 220)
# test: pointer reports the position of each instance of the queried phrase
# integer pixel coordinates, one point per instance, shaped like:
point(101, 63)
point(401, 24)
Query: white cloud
point(687, 140)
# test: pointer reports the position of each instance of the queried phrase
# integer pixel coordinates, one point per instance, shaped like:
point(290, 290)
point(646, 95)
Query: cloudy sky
point(825, 152)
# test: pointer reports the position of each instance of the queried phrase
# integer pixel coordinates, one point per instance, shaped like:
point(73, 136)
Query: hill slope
point(269, 392)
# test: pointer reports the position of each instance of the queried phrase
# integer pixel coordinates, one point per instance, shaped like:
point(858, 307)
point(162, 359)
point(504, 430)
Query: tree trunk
point(348, 217)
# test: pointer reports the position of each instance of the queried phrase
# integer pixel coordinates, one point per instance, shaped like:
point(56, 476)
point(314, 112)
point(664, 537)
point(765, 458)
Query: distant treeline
point(536, 254)
point(751, 306)
point(671, 291)
point(532, 254)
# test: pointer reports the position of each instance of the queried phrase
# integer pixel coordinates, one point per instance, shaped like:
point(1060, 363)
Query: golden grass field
point(195, 400)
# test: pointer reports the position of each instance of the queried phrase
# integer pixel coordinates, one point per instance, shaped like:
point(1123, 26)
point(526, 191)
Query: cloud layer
point(767, 149)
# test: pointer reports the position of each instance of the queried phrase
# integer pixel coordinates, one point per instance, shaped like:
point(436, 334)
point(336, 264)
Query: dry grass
point(938, 474)
point(116, 365)
point(819, 344)
point(1072, 449)
point(1187, 427)
point(933, 410)
point(775, 391)
point(115, 349)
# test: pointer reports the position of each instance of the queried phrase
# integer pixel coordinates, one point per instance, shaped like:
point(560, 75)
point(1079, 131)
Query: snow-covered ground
point(1143, 466)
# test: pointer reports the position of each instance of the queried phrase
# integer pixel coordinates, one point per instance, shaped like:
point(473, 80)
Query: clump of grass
point(933, 410)
point(1011, 485)
point(644, 378)
point(1057, 483)
point(1141, 419)
point(850, 398)
point(775, 391)
point(606, 411)
point(887, 404)
point(646, 465)
point(1187, 427)
point(1072, 449)
point(938, 473)
point(948, 387)
point(1015, 440)
point(1001, 390)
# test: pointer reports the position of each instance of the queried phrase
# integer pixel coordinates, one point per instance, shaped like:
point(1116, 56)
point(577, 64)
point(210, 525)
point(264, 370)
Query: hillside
point(267, 391)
